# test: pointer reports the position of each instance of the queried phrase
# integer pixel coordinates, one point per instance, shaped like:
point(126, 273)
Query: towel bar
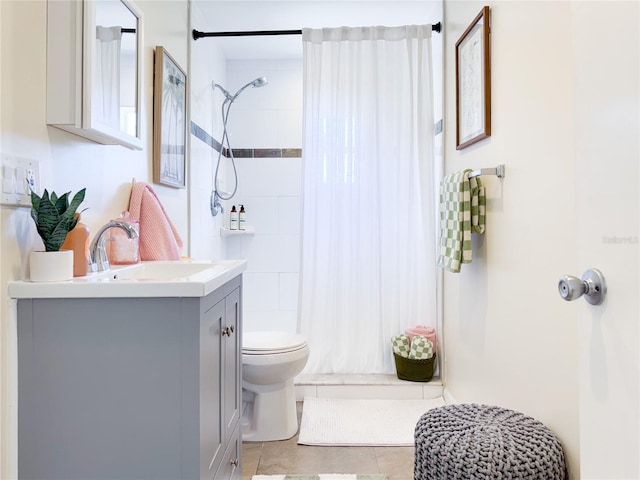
point(497, 171)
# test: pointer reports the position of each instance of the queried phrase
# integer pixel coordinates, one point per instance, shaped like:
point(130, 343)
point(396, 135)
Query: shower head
point(227, 95)
point(257, 83)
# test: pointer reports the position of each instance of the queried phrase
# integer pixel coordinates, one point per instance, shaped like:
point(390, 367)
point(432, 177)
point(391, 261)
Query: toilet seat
point(270, 343)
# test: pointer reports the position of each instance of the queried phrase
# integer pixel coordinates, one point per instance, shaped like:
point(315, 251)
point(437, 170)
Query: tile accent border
point(203, 135)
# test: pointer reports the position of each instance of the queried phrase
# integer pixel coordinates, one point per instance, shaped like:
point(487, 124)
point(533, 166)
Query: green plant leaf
point(78, 198)
point(62, 203)
point(48, 217)
point(57, 237)
point(54, 216)
point(35, 203)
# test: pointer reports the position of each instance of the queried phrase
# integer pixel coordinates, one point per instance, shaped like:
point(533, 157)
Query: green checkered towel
point(421, 348)
point(462, 212)
point(400, 344)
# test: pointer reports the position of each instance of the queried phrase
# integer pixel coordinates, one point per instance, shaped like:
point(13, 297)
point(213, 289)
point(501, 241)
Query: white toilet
point(270, 360)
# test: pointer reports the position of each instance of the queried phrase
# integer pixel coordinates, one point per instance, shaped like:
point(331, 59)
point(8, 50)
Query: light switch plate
point(17, 175)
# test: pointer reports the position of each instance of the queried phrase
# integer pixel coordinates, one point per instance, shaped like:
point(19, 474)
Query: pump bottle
point(78, 241)
point(242, 218)
point(233, 219)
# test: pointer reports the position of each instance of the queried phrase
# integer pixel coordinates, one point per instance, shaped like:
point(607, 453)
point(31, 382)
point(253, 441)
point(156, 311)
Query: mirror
point(94, 69)
point(115, 88)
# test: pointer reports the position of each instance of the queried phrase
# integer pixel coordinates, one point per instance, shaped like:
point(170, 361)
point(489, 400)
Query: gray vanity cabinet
point(220, 346)
point(123, 388)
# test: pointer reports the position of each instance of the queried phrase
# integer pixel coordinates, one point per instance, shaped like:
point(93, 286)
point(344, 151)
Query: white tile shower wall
point(289, 210)
point(262, 213)
point(289, 291)
point(270, 189)
point(271, 253)
point(270, 116)
point(269, 177)
point(261, 291)
point(249, 128)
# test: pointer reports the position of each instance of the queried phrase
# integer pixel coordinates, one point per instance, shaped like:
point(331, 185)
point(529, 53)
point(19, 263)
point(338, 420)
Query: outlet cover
point(19, 177)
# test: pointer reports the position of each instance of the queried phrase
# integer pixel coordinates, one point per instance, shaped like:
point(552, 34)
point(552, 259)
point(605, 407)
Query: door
point(606, 57)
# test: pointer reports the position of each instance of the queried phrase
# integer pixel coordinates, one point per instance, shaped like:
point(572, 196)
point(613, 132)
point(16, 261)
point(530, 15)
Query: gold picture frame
point(473, 82)
point(169, 121)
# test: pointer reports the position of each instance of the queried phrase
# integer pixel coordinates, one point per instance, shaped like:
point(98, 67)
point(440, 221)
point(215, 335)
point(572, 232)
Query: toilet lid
point(257, 343)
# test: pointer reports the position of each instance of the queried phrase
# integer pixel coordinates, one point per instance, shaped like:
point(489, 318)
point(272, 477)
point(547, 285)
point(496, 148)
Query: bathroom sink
point(144, 279)
point(157, 271)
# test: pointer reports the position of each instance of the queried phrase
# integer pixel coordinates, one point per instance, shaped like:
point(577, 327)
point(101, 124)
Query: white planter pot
point(51, 266)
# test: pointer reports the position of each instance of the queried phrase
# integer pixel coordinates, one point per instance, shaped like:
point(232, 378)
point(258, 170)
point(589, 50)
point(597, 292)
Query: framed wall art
point(473, 82)
point(169, 121)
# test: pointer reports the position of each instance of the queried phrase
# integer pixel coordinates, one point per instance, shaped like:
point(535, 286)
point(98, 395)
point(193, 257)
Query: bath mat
point(322, 476)
point(350, 422)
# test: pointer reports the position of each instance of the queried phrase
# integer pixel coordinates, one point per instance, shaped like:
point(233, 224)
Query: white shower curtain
point(106, 85)
point(368, 237)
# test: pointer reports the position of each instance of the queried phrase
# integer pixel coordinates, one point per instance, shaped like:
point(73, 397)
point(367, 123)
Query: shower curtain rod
point(198, 34)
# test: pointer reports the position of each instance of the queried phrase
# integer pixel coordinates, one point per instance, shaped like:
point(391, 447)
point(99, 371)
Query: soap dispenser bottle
point(78, 241)
point(233, 219)
point(242, 218)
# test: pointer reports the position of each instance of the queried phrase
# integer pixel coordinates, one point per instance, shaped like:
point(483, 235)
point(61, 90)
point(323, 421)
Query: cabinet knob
point(227, 331)
point(234, 462)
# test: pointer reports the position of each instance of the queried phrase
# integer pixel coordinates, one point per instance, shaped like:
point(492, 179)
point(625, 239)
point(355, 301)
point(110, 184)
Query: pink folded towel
point(423, 330)
point(159, 239)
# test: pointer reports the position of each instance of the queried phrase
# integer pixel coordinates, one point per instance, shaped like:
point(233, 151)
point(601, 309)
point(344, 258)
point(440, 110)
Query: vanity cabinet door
point(231, 375)
point(230, 468)
point(211, 373)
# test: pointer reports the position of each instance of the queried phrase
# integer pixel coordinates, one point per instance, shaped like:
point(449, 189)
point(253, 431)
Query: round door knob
point(592, 285)
point(570, 287)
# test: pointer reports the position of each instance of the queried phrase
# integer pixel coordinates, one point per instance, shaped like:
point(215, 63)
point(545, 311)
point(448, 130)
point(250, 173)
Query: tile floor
point(286, 456)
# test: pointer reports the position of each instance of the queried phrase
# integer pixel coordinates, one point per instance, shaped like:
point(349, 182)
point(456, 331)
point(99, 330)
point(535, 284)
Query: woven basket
point(415, 370)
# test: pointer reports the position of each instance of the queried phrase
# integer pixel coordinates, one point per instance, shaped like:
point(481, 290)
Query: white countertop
point(145, 279)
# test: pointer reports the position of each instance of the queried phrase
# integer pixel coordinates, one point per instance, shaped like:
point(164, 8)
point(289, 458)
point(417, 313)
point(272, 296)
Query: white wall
point(509, 338)
point(67, 162)
point(206, 64)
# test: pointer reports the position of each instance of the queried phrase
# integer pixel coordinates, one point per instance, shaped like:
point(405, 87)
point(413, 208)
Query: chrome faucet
point(99, 260)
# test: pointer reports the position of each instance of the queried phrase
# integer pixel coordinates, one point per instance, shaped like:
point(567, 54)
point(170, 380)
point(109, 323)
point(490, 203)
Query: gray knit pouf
point(472, 441)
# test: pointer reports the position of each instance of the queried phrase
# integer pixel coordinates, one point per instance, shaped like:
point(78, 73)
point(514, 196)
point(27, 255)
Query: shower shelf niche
point(225, 232)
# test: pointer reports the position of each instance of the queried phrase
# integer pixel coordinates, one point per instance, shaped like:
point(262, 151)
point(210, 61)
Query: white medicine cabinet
point(94, 70)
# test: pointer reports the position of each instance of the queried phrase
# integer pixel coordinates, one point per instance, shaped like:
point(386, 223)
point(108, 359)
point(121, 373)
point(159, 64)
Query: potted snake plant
point(54, 216)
